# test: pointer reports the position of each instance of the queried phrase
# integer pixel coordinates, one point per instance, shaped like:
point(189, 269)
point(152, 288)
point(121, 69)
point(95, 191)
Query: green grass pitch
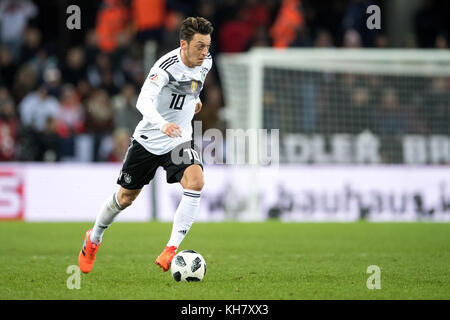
point(269, 260)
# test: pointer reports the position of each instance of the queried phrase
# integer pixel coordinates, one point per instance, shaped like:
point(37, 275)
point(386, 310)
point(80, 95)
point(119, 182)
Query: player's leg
point(138, 169)
point(93, 238)
point(192, 182)
point(112, 207)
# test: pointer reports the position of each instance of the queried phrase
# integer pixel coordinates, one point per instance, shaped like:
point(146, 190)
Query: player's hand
point(171, 129)
point(198, 107)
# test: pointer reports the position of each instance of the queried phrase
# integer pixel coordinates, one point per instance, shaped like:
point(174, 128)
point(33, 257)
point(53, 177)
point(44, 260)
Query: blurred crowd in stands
point(82, 107)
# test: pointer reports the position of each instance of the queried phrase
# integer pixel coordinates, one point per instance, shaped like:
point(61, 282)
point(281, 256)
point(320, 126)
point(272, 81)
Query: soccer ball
point(188, 265)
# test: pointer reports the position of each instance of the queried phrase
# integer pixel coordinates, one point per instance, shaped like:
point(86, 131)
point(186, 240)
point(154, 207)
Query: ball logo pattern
point(188, 266)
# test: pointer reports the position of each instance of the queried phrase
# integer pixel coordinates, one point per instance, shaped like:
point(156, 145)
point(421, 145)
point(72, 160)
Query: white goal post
point(255, 95)
point(341, 106)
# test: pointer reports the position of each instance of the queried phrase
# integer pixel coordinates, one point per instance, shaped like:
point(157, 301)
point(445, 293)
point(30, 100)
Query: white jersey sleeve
point(146, 102)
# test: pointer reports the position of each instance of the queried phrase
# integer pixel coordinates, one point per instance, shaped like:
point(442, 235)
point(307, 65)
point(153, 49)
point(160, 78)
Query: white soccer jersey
point(169, 94)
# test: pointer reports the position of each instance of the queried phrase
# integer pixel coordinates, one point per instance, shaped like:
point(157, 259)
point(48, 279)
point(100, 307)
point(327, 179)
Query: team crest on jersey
point(153, 77)
point(194, 86)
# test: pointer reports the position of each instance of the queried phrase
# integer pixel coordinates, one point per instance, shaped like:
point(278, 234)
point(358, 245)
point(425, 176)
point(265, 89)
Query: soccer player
point(168, 100)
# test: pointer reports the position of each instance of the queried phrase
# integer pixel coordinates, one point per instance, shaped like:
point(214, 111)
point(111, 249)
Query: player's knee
point(195, 183)
point(125, 200)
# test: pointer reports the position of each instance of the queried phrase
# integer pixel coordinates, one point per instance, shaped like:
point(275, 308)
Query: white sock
point(184, 216)
point(104, 219)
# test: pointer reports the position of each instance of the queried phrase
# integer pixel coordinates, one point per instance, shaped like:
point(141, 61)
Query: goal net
point(343, 106)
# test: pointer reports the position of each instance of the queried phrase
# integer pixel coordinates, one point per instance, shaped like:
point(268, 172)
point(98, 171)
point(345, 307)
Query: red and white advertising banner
point(11, 193)
point(76, 192)
point(318, 193)
point(63, 192)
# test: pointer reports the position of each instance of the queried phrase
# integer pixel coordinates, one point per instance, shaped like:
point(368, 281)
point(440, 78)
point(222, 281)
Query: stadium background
point(67, 106)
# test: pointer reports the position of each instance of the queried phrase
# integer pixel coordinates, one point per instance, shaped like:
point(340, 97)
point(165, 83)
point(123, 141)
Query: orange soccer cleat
point(165, 258)
point(87, 254)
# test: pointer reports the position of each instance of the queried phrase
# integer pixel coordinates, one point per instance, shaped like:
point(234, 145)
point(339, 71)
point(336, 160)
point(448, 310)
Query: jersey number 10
point(177, 101)
point(193, 154)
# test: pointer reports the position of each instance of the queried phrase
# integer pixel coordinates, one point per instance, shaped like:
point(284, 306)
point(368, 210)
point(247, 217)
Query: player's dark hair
point(190, 26)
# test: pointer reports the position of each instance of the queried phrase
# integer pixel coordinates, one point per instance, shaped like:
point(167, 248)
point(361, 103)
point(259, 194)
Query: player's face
point(197, 49)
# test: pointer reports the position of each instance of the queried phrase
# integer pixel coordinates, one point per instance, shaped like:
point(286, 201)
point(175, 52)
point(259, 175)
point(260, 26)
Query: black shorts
point(140, 165)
